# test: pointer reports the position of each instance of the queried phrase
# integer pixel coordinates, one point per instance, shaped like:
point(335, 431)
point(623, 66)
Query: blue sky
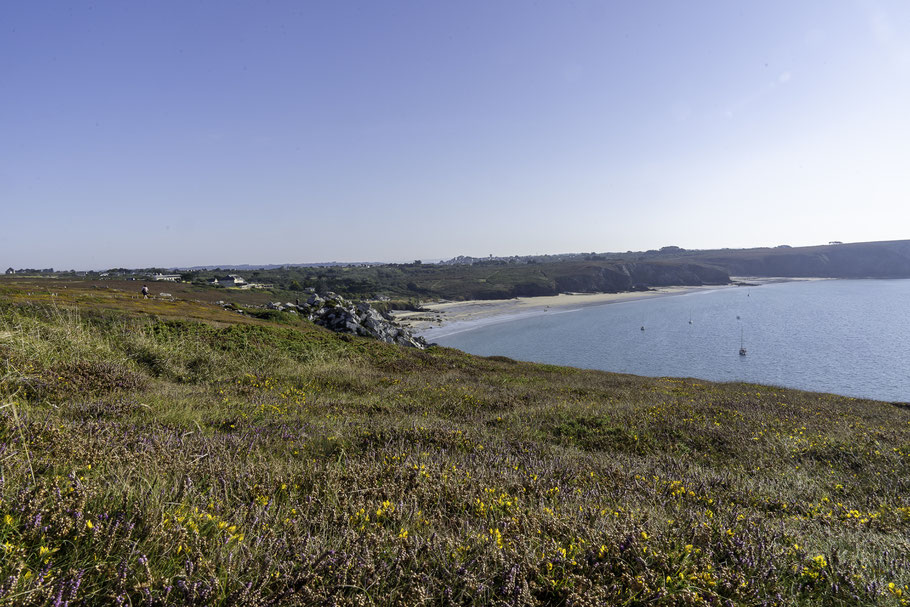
point(178, 133)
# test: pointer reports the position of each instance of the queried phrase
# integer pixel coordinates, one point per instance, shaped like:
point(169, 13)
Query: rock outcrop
point(337, 314)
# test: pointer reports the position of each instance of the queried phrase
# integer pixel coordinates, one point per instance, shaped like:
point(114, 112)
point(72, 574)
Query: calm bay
point(849, 337)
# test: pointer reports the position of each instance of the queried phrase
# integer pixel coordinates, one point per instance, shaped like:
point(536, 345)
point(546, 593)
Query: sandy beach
point(452, 316)
point(448, 317)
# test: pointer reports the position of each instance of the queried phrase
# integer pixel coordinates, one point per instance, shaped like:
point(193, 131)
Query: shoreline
point(449, 317)
point(445, 318)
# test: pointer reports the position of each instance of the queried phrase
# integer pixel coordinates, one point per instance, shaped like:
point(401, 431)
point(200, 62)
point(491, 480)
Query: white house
point(232, 280)
point(167, 277)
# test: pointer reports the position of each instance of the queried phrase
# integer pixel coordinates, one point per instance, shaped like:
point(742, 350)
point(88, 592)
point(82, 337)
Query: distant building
point(167, 277)
point(231, 280)
point(835, 242)
point(256, 285)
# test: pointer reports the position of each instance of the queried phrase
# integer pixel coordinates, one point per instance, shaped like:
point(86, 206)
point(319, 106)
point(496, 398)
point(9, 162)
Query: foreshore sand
point(447, 317)
point(460, 315)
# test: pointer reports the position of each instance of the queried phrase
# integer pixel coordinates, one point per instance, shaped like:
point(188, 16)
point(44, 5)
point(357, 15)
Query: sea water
point(849, 337)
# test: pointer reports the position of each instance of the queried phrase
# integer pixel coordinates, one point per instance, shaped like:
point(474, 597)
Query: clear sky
point(186, 133)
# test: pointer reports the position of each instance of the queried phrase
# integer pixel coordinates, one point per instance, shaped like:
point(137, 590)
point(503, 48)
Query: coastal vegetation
point(485, 279)
point(172, 452)
point(504, 278)
point(406, 285)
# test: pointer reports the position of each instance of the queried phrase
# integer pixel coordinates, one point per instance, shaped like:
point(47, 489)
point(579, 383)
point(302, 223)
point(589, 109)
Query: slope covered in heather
point(174, 453)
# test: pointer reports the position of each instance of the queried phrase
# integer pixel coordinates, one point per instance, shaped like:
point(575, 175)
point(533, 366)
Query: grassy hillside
point(488, 280)
point(156, 453)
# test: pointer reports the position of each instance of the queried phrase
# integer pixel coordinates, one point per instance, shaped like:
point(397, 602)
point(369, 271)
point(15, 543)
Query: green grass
point(188, 455)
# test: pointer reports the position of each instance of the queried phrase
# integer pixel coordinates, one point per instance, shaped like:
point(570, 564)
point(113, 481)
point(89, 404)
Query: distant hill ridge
point(884, 259)
point(526, 276)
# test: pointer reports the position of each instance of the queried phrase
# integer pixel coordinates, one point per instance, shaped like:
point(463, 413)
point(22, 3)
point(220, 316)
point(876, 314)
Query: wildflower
point(89, 524)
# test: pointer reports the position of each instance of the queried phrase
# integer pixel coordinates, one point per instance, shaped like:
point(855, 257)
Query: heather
point(174, 453)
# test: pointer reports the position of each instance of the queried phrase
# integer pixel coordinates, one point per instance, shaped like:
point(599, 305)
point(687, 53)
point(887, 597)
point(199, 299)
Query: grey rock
point(333, 312)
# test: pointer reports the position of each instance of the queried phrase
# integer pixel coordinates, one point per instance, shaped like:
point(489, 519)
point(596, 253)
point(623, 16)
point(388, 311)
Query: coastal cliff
point(617, 277)
point(508, 281)
point(889, 259)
